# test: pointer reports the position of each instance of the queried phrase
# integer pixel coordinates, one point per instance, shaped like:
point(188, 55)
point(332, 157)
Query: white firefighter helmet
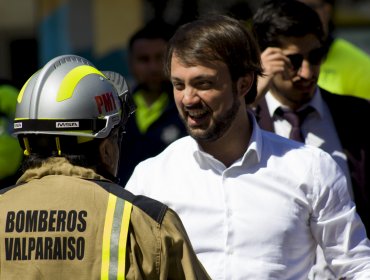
point(69, 96)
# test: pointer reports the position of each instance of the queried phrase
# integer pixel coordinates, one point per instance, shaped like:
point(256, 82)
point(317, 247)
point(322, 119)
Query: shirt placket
point(229, 227)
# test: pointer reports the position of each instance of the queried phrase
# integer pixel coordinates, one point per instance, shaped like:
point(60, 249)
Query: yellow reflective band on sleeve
point(123, 241)
point(71, 80)
point(106, 237)
point(115, 234)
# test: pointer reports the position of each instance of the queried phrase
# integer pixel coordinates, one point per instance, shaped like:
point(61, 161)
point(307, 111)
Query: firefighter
point(66, 218)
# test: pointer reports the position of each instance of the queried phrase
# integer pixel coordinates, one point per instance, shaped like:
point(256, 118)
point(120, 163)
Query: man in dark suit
point(291, 40)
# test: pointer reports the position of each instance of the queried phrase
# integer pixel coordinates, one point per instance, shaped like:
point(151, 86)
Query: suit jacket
point(350, 115)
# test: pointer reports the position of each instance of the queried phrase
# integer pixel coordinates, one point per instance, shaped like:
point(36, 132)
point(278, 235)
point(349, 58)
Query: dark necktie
point(295, 119)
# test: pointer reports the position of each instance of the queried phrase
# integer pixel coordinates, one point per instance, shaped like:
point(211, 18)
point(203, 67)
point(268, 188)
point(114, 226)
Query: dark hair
point(84, 154)
point(155, 29)
point(217, 38)
point(277, 19)
point(44, 147)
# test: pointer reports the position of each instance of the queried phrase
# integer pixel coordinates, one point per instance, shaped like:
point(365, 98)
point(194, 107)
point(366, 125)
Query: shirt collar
point(251, 156)
point(254, 151)
point(316, 102)
point(59, 166)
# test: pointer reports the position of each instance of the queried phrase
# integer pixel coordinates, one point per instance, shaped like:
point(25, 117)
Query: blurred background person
point(10, 151)
point(155, 123)
point(291, 57)
point(346, 68)
point(290, 36)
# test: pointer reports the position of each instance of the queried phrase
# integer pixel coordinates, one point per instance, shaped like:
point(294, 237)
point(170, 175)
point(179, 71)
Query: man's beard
point(218, 128)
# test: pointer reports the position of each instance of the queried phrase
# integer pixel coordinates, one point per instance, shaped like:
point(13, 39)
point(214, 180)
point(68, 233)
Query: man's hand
point(273, 62)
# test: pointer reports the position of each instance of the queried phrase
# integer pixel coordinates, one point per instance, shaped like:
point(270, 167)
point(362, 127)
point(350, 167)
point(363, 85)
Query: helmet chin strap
point(27, 150)
point(57, 142)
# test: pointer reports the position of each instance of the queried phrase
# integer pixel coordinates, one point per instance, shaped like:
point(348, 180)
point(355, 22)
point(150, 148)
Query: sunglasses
point(314, 58)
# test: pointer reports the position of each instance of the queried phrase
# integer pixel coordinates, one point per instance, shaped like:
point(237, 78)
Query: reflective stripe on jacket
point(66, 222)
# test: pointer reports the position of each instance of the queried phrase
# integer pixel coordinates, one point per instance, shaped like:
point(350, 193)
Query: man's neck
point(231, 146)
point(292, 105)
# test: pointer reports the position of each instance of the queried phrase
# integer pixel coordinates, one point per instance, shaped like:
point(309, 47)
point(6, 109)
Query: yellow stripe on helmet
point(20, 95)
point(71, 80)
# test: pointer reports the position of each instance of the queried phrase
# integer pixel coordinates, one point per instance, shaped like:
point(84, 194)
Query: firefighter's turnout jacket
point(66, 222)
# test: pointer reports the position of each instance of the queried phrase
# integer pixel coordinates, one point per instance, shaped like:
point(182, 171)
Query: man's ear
point(106, 151)
point(244, 84)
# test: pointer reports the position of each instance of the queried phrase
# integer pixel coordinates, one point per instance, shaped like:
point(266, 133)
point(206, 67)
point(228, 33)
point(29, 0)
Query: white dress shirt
point(262, 217)
point(318, 130)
